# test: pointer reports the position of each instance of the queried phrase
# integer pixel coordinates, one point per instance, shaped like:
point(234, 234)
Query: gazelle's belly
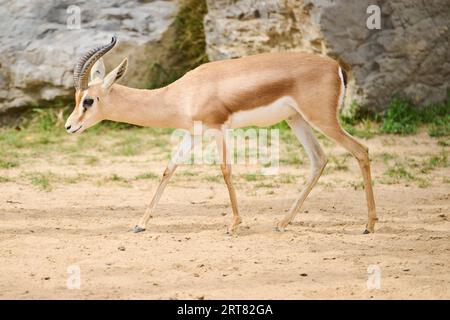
point(264, 116)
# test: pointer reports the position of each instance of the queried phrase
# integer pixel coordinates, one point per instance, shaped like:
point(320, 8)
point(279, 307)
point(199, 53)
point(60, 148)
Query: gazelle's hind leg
point(317, 157)
point(334, 131)
point(361, 153)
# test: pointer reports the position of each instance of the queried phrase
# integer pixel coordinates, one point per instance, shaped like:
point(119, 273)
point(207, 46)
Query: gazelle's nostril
point(68, 127)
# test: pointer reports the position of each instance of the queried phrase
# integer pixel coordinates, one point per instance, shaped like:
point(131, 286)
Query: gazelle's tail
point(343, 77)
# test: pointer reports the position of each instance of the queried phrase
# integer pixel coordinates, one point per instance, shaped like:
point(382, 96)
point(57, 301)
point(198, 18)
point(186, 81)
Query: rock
point(40, 43)
point(408, 56)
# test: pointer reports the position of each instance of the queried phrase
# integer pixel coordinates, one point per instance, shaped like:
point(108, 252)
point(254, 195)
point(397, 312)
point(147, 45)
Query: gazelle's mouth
point(77, 129)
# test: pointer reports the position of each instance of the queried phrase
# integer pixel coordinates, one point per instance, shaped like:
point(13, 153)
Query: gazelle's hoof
point(366, 231)
point(137, 229)
point(280, 227)
point(232, 232)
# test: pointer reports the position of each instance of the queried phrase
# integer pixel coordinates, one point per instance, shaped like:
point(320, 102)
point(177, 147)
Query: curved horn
point(85, 63)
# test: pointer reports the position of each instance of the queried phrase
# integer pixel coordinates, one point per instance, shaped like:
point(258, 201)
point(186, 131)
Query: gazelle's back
point(216, 90)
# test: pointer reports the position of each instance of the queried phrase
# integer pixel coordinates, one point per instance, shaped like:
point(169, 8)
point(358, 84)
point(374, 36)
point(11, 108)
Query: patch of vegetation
point(435, 161)
point(41, 180)
point(212, 178)
point(358, 122)
point(265, 185)
point(187, 173)
point(91, 160)
point(286, 178)
point(357, 185)
point(386, 157)
point(339, 163)
point(116, 177)
point(130, 145)
point(412, 170)
point(74, 179)
point(146, 176)
point(4, 179)
point(403, 117)
point(399, 172)
point(7, 164)
point(253, 177)
point(188, 49)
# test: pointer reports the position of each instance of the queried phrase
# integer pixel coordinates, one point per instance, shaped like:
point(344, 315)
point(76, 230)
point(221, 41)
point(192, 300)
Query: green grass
point(113, 178)
point(130, 145)
point(412, 170)
point(400, 117)
point(386, 157)
point(403, 117)
point(4, 179)
point(7, 164)
point(285, 178)
point(339, 163)
point(116, 177)
point(253, 177)
point(435, 161)
point(399, 172)
point(357, 185)
point(146, 176)
point(265, 185)
point(91, 160)
point(41, 180)
point(212, 178)
point(188, 49)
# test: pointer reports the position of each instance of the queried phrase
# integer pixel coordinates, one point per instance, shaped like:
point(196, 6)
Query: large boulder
point(408, 55)
point(40, 43)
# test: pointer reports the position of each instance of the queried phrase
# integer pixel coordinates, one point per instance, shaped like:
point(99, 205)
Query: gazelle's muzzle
point(73, 126)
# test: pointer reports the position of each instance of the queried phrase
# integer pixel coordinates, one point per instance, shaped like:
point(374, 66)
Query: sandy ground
point(186, 254)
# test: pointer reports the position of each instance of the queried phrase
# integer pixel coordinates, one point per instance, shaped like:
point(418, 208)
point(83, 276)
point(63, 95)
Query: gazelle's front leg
point(225, 166)
point(180, 154)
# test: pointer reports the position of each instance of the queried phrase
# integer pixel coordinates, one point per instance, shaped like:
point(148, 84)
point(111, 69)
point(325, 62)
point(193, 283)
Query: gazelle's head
point(92, 88)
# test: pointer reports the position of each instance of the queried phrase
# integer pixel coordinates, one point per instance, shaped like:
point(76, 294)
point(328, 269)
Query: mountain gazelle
point(303, 89)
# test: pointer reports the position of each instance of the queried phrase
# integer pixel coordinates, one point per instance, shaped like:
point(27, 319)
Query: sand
point(186, 254)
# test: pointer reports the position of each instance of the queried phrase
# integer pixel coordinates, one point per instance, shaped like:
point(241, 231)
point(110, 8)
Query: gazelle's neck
point(148, 108)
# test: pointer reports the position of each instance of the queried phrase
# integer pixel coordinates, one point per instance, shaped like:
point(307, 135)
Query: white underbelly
point(264, 116)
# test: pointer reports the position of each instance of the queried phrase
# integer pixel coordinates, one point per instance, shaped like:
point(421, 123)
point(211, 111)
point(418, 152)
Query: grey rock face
point(408, 56)
point(40, 42)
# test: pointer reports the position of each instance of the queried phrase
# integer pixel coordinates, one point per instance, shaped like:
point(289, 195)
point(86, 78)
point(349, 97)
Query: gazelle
point(303, 89)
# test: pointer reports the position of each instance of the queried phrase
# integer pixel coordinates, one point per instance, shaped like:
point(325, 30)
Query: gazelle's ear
point(97, 71)
point(115, 75)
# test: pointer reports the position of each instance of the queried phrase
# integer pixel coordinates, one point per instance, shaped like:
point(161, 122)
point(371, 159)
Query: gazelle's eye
point(87, 102)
